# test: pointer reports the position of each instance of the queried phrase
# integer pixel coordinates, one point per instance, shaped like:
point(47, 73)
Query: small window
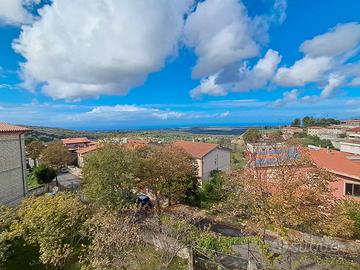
point(352, 189)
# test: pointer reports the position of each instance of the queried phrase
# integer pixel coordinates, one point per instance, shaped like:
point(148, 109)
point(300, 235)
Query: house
point(350, 146)
point(353, 133)
point(345, 167)
point(289, 131)
point(209, 157)
point(315, 130)
point(83, 152)
point(74, 144)
point(13, 185)
point(350, 123)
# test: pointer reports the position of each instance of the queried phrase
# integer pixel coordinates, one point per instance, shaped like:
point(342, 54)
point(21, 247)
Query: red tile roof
point(75, 140)
point(88, 149)
point(5, 128)
point(356, 130)
point(336, 162)
point(196, 149)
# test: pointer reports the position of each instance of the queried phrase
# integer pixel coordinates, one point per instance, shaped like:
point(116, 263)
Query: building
point(289, 131)
point(74, 144)
point(83, 152)
point(350, 146)
point(315, 131)
point(350, 123)
point(13, 185)
point(209, 157)
point(345, 167)
point(353, 133)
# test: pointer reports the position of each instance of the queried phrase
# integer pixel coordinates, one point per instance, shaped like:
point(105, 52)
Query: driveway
point(69, 181)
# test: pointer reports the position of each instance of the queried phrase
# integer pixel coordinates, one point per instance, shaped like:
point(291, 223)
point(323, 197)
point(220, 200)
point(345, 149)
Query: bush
point(44, 174)
point(212, 189)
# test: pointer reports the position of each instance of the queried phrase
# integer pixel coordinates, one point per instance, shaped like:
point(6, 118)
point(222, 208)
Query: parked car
point(144, 201)
point(64, 170)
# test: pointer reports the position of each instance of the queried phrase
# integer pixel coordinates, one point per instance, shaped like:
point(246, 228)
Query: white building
point(352, 147)
point(209, 157)
point(13, 185)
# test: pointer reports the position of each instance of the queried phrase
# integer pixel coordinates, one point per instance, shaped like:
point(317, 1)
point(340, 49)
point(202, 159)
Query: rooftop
point(76, 140)
point(336, 162)
point(88, 149)
point(196, 149)
point(6, 128)
point(356, 130)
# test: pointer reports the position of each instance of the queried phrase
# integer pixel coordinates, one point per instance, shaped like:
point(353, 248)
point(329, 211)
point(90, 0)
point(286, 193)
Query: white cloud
point(81, 48)
point(288, 97)
point(222, 33)
point(208, 86)
point(342, 39)
point(334, 82)
point(15, 11)
point(303, 71)
point(262, 72)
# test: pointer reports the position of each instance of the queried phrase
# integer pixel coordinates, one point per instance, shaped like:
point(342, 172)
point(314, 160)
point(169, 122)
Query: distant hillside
point(47, 134)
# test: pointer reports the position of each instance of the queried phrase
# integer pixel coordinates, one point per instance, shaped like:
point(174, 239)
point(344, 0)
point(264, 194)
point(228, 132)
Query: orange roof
point(5, 128)
point(315, 127)
point(196, 149)
point(356, 130)
point(88, 149)
point(76, 140)
point(336, 162)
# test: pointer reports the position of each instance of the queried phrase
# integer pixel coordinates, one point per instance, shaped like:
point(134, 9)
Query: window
point(352, 189)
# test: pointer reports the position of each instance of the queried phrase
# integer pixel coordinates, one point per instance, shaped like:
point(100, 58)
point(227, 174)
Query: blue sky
point(109, 64)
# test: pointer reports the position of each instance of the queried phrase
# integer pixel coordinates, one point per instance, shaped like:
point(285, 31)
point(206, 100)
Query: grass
point(32, 181)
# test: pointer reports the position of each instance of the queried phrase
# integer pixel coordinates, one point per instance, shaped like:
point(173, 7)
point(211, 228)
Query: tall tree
point(55, 155)
point(296, 122)
point(34, 149)
point(166, 172)
point(109, 175)
point(309, 121)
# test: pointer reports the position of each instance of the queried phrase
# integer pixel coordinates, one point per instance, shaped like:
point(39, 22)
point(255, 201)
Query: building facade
point(13, 185)
point(352, 147)
point(209, 157)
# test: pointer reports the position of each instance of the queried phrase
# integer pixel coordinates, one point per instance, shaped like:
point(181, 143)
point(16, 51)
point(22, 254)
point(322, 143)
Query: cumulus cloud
point(16, 11)
point(342, 39)
point(288, 97)
point(80, 48)
point(303, 71)
point(239, 79)
point(221, 32)
point(208, 86)
point(334, 82)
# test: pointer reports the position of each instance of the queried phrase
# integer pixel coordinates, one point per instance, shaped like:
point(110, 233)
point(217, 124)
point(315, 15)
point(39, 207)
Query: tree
point(109, 176)
point(252, 135)
point(166, 172)
point(296, 122)
point(55, 155)
point(53, 225)
point(34, 150)
point(308, 121)
point(44, 174)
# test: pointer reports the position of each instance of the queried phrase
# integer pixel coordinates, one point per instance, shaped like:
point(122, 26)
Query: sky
point(128, 64)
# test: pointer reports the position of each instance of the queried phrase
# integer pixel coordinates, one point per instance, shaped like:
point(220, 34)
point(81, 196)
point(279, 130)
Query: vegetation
point(296, 122)
point(44, 174)
point(34, 150)
point(252, 135)
point(323, 122)
point(55, 155)
point(306, 140)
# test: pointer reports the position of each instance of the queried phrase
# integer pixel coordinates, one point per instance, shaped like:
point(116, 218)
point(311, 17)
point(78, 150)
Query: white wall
point(218, 159)
point(350, 148)
point(12, 168)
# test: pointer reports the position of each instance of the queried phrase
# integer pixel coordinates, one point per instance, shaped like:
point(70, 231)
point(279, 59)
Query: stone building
point(13, 185)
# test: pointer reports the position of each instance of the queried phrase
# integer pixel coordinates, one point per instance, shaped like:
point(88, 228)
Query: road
point(69, 181)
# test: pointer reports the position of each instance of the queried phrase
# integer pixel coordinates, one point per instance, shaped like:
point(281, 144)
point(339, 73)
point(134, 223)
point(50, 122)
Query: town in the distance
point(278, 197)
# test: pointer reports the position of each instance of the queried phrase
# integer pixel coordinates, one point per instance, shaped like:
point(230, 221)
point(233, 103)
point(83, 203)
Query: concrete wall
point(12, 168)
point(339, 187)
point(218, 159)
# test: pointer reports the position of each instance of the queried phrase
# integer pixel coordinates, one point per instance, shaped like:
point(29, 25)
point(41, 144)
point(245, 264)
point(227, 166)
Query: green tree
point(296, 122)
point(44, 174)
point(55, 155)
point(34, 149)
point(252, 135)
point(109, 176)
point(53, 225)
point(309, 121)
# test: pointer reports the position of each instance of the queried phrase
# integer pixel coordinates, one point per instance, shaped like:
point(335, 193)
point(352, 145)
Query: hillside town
point(328, 179)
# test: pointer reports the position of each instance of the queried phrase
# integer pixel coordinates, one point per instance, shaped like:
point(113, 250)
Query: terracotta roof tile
point(356, 130)
point(336, 162)
point(85, 150)
point(5, 128)
point(76, 140)
point(196, 149)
